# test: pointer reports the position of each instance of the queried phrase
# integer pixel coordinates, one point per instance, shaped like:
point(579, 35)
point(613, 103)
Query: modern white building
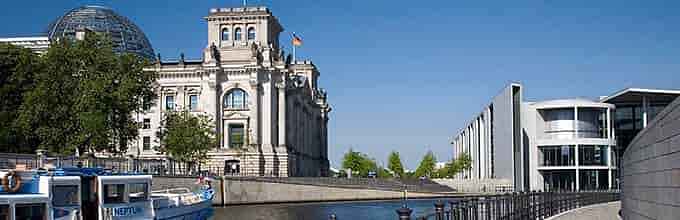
point(567, 144)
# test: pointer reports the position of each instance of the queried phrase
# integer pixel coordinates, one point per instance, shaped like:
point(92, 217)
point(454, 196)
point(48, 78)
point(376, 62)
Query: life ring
point(17, 182)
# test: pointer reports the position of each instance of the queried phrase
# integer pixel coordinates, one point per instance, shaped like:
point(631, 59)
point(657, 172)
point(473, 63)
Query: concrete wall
point(233, 192)
point(255, 192)
point(477, 185)
point(651, 169)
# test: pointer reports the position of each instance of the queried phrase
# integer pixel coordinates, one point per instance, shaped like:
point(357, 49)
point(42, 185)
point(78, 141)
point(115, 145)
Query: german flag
point(297, 41)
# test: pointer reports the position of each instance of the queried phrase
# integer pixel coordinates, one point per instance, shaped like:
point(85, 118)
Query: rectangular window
point(138, 192)
point(557, 155)
point(169, 102)
point(4, 212)
point(146, 104)
point(236, 135)
point(65, 196)
point(146, 124)
point(193, 102)
point(30, 211)
point(114, 193)
point(146, 144)
point(592, 155)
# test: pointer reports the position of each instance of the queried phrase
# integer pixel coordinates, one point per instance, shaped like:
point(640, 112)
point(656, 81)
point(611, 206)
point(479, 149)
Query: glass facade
point(559, 180)
point(557, 155)
point(593, 179)
point(592, 123)
point(592, 155)
point(559, 123)
point(126, 36)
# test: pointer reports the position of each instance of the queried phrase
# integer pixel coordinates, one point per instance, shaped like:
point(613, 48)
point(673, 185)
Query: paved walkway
point(605, 211)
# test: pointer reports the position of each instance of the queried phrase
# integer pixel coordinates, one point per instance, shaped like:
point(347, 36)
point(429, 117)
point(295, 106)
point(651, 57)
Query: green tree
point(17, 68)
point(359, 162)
point(187, 137)
point(394, 164)
point(427, 165)
point(462, 163)
point(84, 97)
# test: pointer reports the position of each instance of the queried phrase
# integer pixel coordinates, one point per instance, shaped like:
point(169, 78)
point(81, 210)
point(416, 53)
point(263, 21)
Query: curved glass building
point(126, 36)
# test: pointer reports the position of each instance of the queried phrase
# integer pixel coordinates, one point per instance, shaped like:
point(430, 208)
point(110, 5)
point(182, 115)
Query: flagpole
point(294, 53)
point(294, 46)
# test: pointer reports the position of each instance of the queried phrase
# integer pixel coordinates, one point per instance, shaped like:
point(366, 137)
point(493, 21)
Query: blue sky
point(406, 75)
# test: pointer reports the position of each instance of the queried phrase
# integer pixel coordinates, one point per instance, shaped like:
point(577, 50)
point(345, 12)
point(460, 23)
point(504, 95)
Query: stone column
point(281, 86)
point(254, 126)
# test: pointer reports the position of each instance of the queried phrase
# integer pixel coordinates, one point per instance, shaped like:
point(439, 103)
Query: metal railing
point(524, 205)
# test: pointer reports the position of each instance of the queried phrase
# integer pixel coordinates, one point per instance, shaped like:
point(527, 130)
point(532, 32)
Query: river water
point(372, 210)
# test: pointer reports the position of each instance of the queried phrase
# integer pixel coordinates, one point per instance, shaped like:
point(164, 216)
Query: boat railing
point(173, 190)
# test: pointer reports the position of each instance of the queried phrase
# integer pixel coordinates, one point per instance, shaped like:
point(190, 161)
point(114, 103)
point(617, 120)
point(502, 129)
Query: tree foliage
point(360, 163)
point(427, 165)
point(17, 69)
point(460, 164)
point(187, 137)
point(83, 97)
point(394, 164)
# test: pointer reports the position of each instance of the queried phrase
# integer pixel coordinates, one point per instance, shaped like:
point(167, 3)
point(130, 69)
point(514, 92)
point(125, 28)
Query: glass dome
point(126, 36)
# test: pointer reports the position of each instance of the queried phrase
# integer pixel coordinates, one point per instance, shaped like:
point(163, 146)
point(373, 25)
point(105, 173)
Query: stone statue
point(214, 53)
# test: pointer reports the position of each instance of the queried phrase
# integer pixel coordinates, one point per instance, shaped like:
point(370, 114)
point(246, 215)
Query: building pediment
point(235, 115)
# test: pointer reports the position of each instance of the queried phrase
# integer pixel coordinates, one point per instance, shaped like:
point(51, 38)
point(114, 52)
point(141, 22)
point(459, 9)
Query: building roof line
point(640, 90)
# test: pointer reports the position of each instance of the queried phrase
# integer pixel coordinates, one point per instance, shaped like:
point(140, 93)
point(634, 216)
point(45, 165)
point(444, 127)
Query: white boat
point(90, 193)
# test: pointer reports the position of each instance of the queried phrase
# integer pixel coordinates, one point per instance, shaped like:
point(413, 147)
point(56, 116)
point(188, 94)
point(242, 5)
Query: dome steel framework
point(126, 36)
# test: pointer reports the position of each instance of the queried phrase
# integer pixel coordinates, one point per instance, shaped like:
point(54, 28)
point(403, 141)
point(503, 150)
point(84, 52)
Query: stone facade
point(651, 169)
point(270, 115)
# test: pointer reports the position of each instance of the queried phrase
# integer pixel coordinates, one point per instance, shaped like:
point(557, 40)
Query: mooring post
point(404, 213)
point(439, 210)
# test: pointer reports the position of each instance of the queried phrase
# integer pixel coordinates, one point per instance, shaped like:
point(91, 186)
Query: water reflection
point(316, 211)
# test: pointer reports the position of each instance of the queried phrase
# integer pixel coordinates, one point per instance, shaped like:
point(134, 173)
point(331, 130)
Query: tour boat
point(93, 193)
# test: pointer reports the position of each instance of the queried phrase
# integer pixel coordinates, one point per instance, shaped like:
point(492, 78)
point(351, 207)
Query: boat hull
point(198, 211)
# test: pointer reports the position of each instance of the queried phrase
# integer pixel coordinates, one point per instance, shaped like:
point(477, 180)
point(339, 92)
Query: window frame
point(230, 103)
point(71, 203)
point(238, 34)
point(225, 34)
point(231, 131)
point(107, 199)
point(251, 34)
point(145, 146)
point(169, 102)
point(132, 199)
point(193, 107)
point(146, 123)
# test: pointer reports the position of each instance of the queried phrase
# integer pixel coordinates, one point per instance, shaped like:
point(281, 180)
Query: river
point(373, 210)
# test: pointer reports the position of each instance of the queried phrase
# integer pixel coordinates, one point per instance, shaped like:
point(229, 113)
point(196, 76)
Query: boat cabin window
point(138, 191)
point(65, 196)
point(114, 193)
point(4, 212)
point(30, 211)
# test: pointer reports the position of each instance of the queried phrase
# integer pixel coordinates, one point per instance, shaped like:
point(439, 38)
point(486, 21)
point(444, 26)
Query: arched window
point(236, 99)
point(237, 34)
point(225, 34)
point(251, 33)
